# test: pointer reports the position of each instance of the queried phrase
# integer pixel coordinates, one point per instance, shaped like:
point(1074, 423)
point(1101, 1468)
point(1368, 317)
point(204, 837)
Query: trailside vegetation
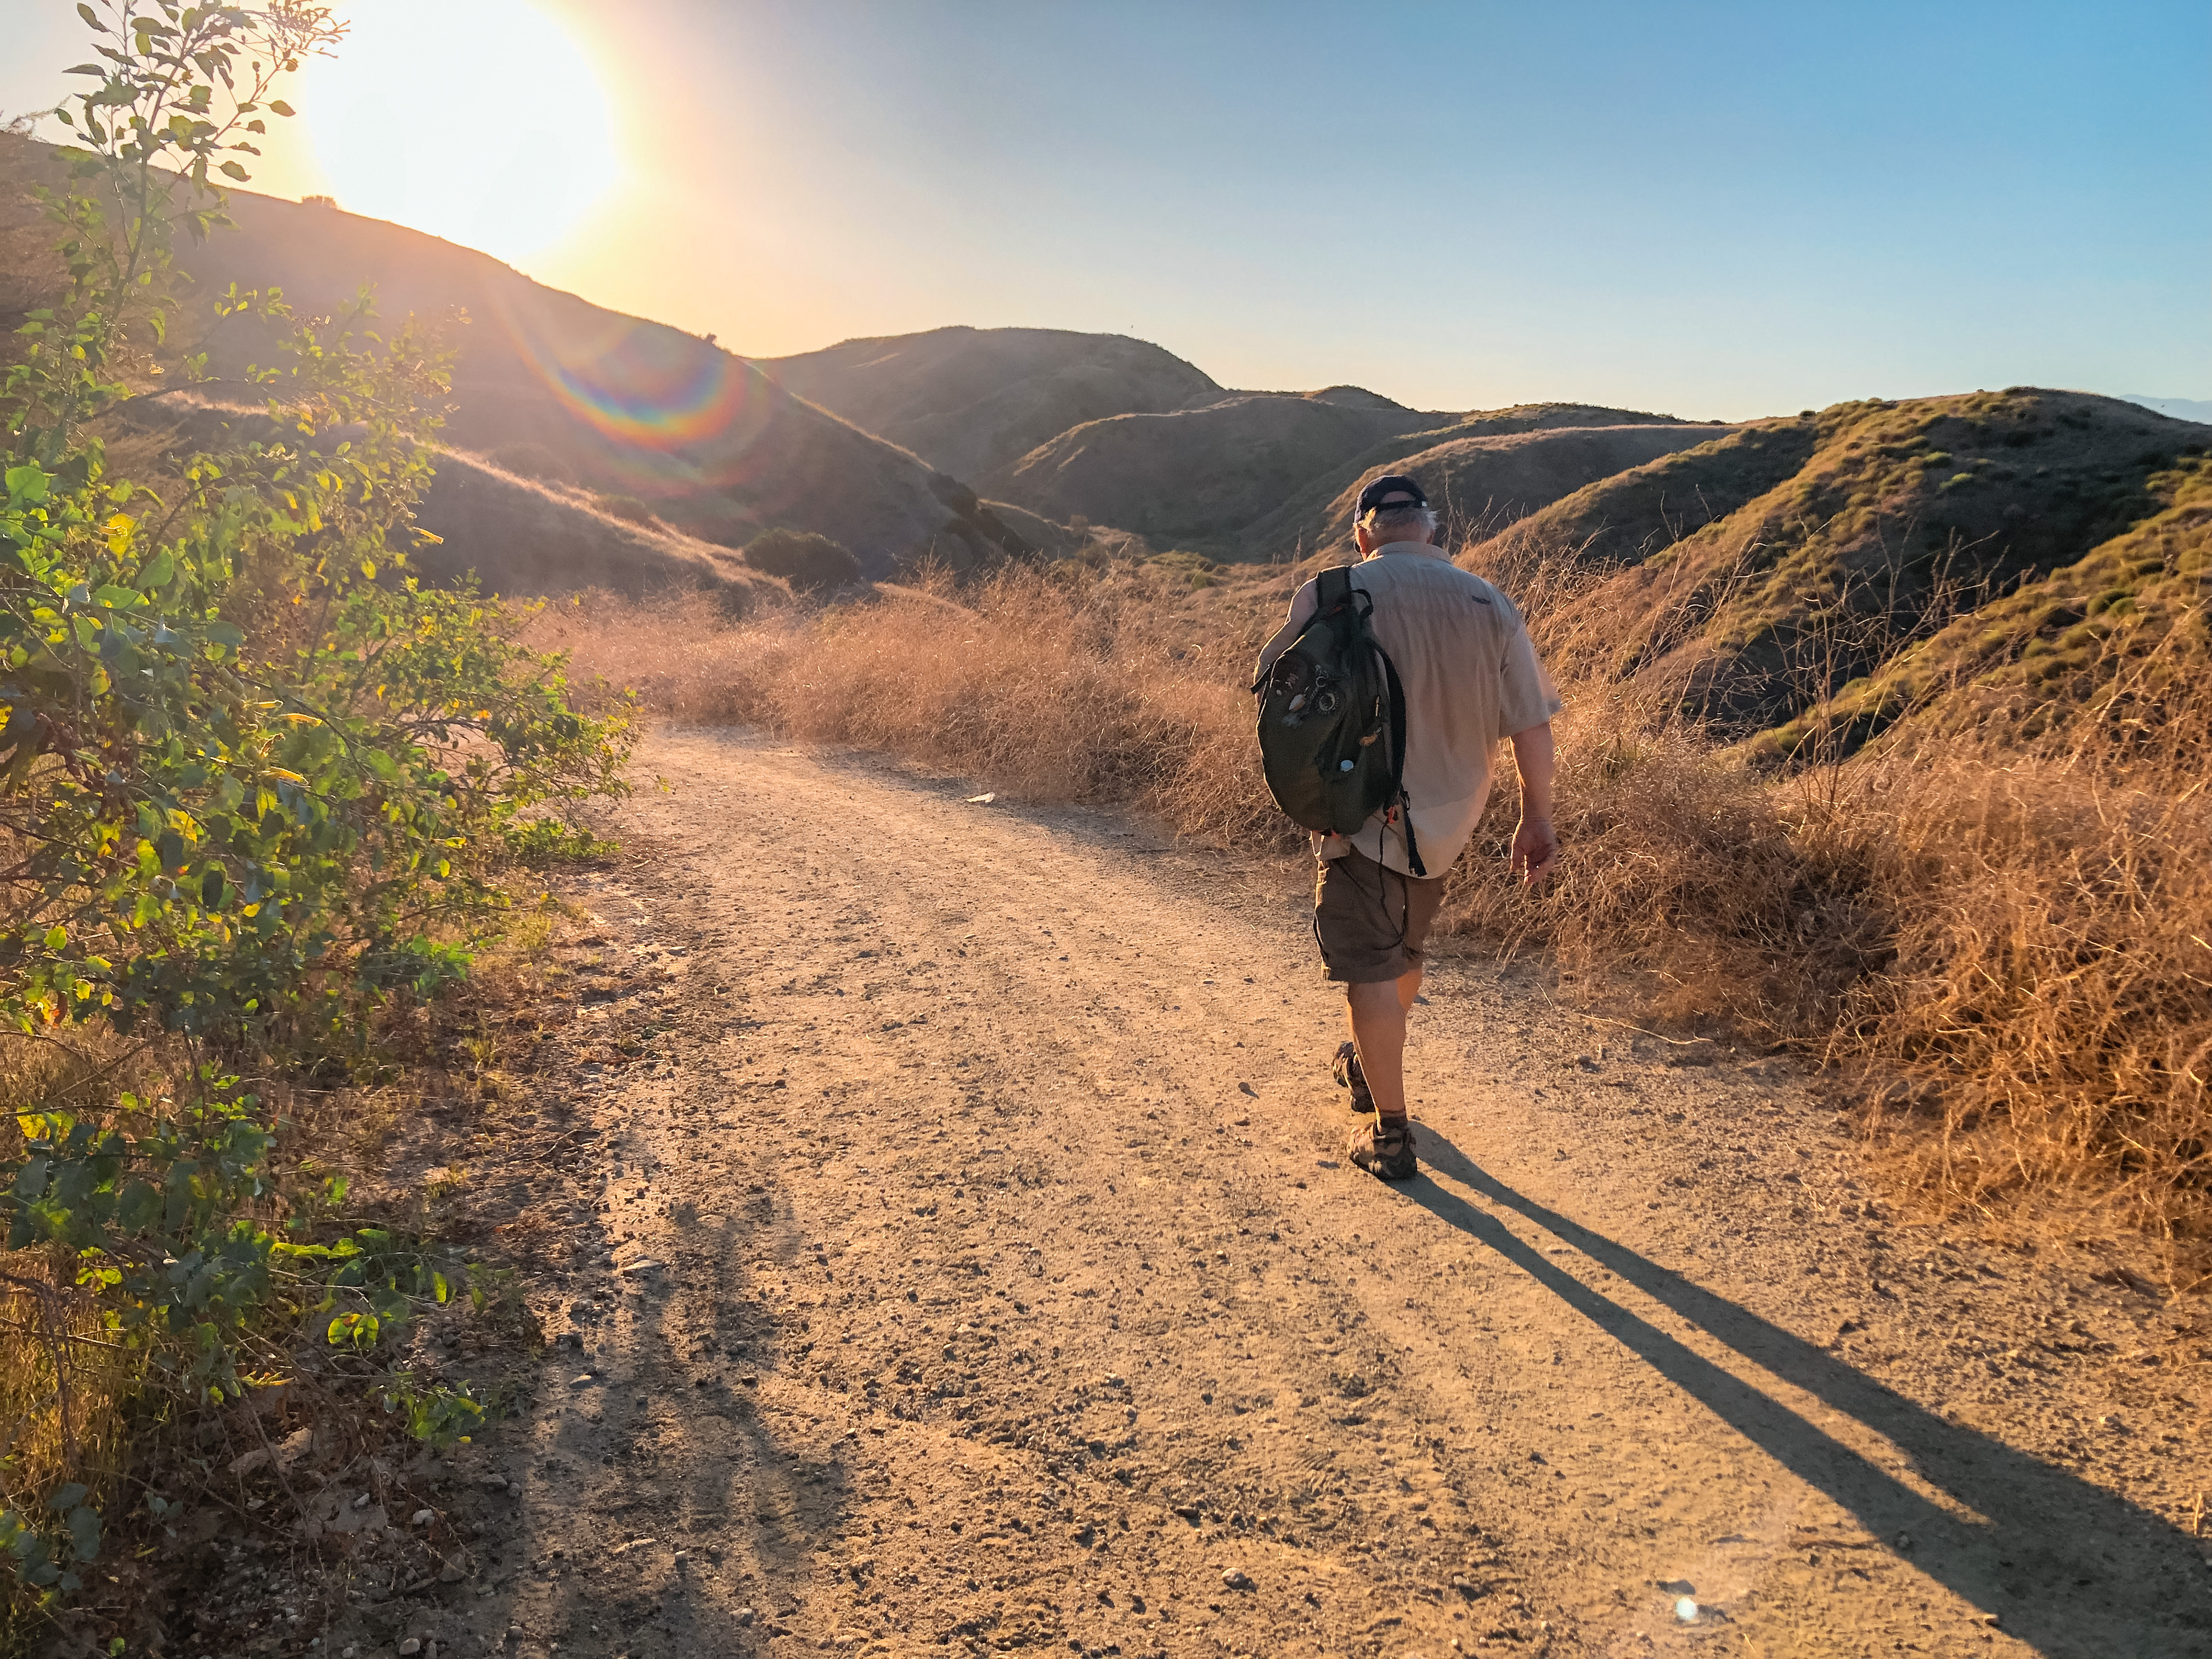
point(256, 782)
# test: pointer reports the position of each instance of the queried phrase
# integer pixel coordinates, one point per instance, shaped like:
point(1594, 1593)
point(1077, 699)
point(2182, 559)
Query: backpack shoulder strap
point(1331, 588)
point(1405, 803)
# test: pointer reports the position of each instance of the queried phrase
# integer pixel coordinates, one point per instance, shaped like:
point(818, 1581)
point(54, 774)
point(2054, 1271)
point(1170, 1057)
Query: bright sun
point(478, 120)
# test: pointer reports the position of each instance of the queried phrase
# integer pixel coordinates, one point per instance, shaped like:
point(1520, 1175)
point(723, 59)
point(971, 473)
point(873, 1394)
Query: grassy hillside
point(1486, 469)
point(1624, 517)
point(1756, 576)
point(972, 400)
point(713, 445)
point(2107, 651)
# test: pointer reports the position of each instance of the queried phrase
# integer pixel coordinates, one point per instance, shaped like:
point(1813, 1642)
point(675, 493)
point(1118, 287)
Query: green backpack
point(1332, 721)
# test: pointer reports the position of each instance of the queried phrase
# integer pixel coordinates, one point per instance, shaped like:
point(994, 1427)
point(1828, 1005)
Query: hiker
point(1470, 677)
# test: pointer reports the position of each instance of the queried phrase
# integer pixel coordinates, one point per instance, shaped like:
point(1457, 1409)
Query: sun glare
point(478, 120)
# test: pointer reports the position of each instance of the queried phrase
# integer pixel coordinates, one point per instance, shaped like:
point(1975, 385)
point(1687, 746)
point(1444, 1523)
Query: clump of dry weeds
point(2004, 952)
point(1077, 686)
point(2043, 1024)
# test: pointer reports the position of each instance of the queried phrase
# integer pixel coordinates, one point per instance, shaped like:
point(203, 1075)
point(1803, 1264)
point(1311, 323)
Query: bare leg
point(1377, 1012)
point(1409, 986)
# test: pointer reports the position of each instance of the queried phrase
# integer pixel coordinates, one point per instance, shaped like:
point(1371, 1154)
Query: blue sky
point(1711, 209)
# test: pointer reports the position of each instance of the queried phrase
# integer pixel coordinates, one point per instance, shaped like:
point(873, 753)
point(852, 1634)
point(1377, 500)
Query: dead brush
point(1688, 889)
point(68, 1389)
point(674, 649)
point(2045, 1025)
point(1077, 685)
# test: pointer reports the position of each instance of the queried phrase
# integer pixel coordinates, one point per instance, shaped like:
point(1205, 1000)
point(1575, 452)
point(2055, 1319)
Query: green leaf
point(72, 1493)
point(84, 1533)
point(56, 936)
point(280, 107)
point(232, 170)
point(160, 571)
point(27, 483)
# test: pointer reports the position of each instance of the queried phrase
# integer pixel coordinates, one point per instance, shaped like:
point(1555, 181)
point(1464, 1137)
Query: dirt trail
point(1013, 1292)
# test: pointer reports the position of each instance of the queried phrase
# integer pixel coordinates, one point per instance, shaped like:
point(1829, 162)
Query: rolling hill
point(971, 401)
point(1757, 577)
point(1264, 475)
point(1106, 431)
point(1483, 470)
point(1198, 474)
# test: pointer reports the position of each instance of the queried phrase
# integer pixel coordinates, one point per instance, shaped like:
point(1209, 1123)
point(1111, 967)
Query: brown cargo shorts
point(1370, 920)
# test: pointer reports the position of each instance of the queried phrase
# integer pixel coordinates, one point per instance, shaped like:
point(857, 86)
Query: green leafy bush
point(807, 560)
point(255, 780)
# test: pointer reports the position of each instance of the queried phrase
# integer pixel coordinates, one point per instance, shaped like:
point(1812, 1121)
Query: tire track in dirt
point(1014, 1292)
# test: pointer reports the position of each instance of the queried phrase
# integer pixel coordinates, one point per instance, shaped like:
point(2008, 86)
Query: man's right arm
point(1536, 843)
point(1527, 703)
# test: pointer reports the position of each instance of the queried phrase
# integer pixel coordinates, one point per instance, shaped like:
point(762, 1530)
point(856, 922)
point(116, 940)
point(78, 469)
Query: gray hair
point(1403, 517)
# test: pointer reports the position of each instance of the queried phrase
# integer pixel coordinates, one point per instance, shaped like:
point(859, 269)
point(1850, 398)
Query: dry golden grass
point(2003, 953)
point(2044, 1023)
point(76, 1405)
point(1083, 686)
point(66, 1387)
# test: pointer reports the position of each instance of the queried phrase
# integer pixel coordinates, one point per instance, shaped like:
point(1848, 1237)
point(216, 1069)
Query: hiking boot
point(1385, 1150)
point(1348, 1075)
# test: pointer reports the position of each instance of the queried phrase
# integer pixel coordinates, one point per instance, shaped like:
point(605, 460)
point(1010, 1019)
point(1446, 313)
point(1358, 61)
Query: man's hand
point(1535, 845)
point(1535, 849)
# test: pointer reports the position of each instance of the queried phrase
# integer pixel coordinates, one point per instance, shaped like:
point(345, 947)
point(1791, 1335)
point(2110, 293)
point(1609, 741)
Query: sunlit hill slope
point(1892, 555)
point(713, 446)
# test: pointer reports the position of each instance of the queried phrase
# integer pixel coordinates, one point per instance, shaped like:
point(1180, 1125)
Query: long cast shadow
point(2068, 1566)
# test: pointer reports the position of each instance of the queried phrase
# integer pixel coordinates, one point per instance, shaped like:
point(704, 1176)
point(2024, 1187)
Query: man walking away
point(1471, 678)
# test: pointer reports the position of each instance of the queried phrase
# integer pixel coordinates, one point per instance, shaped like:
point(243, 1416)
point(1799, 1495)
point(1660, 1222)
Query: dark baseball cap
point(1390, 483)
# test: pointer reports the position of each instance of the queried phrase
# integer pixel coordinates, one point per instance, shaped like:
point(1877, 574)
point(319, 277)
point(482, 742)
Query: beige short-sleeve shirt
point(1472, 680)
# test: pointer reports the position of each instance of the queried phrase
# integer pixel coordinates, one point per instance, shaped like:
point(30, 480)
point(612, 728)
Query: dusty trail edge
point(976, 1268)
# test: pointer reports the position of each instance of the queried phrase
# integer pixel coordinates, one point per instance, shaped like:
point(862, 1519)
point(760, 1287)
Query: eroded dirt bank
point(981, 1271)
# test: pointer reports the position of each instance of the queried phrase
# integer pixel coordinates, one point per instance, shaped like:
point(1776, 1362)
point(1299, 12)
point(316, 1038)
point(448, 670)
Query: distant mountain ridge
point(1103, 430)
point(2180, 408)
point(594, 447)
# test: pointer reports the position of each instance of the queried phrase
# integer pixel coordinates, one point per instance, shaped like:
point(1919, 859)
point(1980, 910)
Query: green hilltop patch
point(1835, 541)
point(2115, 632)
